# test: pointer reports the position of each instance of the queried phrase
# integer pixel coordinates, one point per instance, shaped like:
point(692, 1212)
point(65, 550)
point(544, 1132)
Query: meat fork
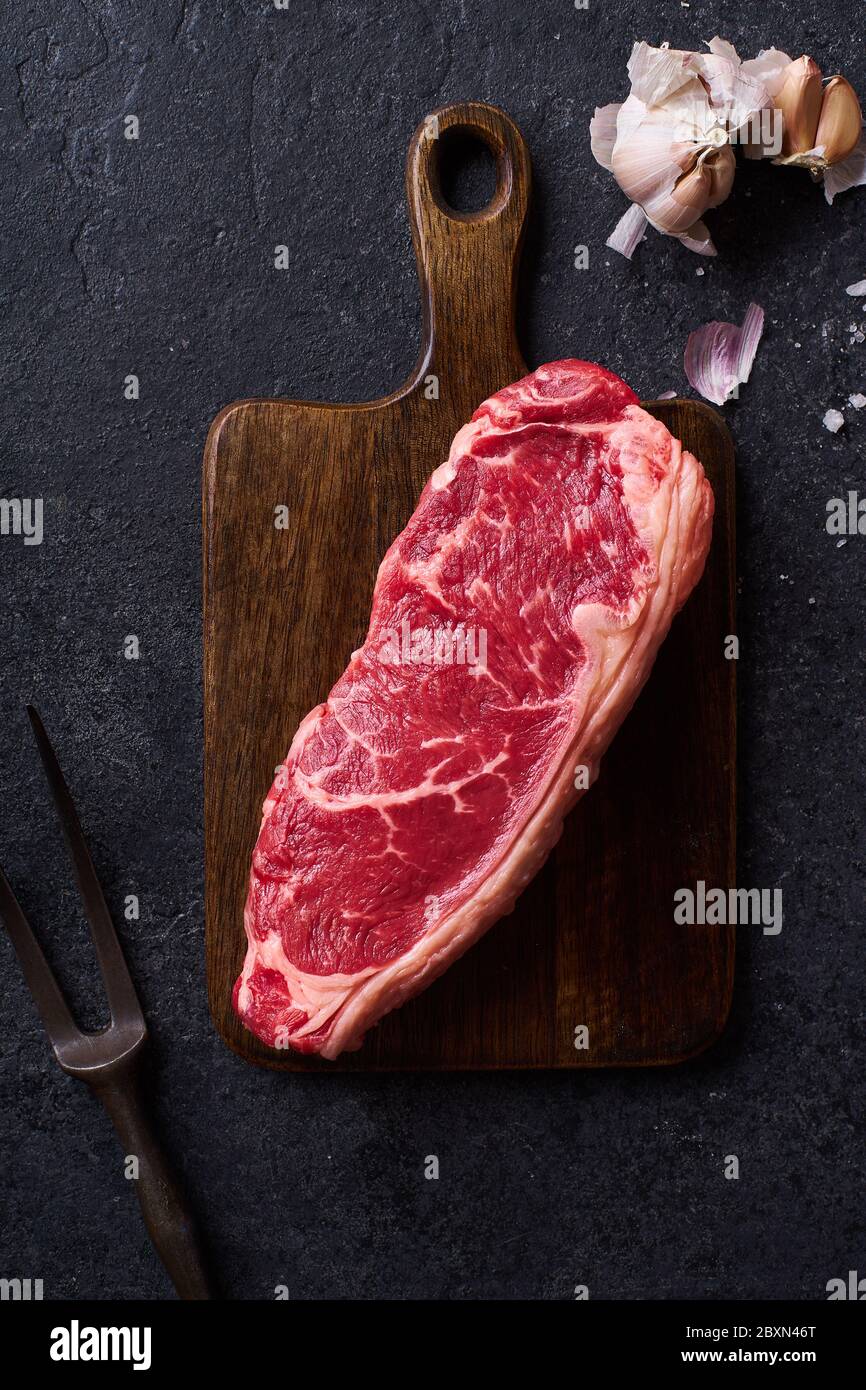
point(108, 1061)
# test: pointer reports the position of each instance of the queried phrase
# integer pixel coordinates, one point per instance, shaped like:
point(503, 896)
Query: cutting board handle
point(468, 261)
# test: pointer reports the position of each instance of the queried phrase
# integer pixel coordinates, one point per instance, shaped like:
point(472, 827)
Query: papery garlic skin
point(719, 356)
point(768, 69)
point(602, 133)
point(848, 173)
point(629, 231)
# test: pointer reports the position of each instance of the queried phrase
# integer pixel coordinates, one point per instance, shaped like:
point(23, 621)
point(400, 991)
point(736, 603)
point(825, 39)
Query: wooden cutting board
point(592, 942)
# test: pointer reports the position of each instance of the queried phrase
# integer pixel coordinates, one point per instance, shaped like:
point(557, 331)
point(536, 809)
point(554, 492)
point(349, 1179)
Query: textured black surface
point(155, 257)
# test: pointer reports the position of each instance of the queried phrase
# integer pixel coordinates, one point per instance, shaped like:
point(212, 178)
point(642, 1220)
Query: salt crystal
point(856, 290)
point(857, 401)
point(833, 421)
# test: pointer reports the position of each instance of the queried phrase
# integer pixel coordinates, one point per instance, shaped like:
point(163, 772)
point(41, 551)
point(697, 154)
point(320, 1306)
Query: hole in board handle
point(469, 177)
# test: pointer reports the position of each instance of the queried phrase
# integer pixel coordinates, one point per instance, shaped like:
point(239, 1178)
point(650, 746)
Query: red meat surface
point(513, 624)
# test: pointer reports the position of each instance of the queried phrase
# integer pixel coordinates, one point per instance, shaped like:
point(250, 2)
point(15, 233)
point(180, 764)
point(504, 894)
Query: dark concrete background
point(258, 127)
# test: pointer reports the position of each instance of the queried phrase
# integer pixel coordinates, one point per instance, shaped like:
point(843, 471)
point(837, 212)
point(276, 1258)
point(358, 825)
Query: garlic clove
point(696, 238)
point(841, 121)
point(704, 186)
point(721, 165)
point(799, 100)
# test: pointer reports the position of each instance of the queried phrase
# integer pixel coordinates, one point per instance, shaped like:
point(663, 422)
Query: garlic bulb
point(668, 166)
point(668, 144)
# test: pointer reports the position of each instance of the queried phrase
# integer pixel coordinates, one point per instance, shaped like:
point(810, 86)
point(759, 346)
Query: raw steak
point(514, 622)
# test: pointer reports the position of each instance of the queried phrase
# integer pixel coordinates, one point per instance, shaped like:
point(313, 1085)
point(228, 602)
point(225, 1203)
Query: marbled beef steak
point(514, 622)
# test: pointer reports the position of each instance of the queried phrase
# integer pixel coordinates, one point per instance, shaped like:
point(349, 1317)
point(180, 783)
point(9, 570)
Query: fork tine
point(53, 1010)
point(122, 998)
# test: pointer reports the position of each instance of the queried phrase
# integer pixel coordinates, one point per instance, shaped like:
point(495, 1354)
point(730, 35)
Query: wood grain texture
point(592, 940)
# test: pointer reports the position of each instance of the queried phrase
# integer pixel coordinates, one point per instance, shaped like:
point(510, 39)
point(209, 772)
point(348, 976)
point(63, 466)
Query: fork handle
point(167, 1215)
